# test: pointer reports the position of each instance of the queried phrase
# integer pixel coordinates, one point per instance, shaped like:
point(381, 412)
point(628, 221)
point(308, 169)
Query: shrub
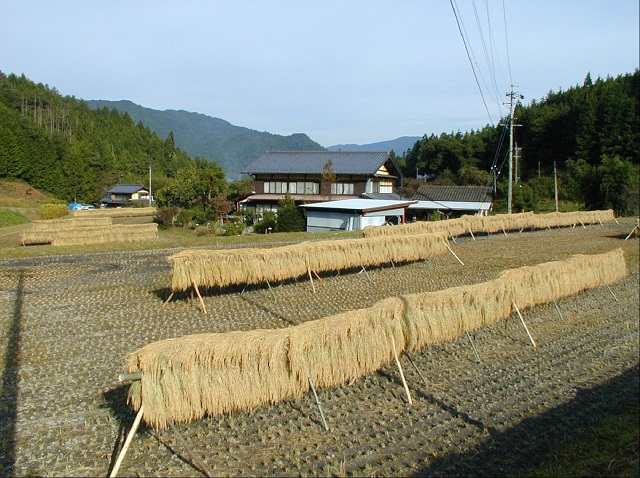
point(268, 221)
point(165, 216)
point(54, 211)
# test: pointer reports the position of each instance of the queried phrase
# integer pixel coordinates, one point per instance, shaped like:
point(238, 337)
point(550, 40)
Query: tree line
point(590, 133)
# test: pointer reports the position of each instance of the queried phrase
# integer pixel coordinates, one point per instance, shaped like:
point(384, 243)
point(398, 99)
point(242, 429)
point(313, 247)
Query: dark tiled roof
point(312, 162)
point(453, 193)
point(298, 197)
point(384, 196)
point(126, 189)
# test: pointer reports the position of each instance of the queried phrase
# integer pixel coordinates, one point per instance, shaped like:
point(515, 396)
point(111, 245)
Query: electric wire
point(455, 13)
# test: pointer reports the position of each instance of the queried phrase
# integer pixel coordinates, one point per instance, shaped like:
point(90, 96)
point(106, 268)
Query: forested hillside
point(591, 133)
point(60, 145)
point(232, 147)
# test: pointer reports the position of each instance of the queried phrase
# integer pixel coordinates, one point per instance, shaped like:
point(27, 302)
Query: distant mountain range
point(232, 147)
point(398, 145)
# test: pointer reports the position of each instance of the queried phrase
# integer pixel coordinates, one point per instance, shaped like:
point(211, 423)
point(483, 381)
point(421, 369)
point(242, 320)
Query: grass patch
point(11, 218)
point(608, 448)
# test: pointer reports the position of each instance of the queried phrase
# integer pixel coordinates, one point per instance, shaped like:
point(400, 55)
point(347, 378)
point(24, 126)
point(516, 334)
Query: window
point(342, 188)
point(386, 186)
point(299, 187)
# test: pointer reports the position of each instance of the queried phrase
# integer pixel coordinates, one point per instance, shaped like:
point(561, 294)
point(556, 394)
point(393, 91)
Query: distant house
point(356, 175)
point(124, 195)
point(451, 201)
point(355, 214)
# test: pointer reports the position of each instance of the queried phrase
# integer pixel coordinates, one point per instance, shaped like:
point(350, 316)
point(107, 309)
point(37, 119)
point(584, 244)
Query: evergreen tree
point(289, 217)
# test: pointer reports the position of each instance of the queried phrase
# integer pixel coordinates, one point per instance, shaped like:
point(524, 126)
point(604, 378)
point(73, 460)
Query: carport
point(354, 214)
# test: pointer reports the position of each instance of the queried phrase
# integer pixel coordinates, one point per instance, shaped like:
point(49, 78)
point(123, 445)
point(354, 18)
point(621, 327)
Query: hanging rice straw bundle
point(210, 374)
point(495, 223)
point(222, 268)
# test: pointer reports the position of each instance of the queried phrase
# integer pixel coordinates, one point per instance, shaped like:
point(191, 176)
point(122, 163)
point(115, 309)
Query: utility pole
point(515, 163)
point(512, 94)
point(555, 183)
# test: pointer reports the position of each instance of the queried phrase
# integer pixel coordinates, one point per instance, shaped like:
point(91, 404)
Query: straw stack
point(115, 212)
point(85, 230)
point(186, 378)
point(222, 268)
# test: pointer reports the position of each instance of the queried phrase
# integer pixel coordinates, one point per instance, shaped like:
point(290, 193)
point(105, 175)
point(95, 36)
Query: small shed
point(452, 201)
point(354, 214)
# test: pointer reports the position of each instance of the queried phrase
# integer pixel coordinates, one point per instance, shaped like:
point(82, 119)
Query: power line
point(470, 62)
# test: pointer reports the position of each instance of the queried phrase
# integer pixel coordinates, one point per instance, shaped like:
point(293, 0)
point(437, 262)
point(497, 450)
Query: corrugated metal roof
point(126, 189)
point(313, 162)
point(453, 193)
point(359, 205)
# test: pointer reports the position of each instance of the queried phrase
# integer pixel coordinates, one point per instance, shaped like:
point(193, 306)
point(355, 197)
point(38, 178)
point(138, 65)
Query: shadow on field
point(10, 389)
point(526, 445)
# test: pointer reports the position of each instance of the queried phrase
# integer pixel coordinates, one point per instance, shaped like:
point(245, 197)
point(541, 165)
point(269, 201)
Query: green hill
point(232, 147)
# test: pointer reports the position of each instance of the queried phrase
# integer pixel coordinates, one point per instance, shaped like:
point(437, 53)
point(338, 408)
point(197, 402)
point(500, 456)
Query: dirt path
point(67, 323)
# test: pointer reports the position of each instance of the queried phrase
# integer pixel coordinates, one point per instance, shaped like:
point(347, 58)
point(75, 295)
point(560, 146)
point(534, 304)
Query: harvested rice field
point(68, 322)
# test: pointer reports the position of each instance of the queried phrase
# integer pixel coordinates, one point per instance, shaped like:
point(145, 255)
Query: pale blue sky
point(341, 71)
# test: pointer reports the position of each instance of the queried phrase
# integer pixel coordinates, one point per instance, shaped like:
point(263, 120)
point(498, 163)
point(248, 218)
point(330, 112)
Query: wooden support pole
point(426, 261)
point(505, 232)
point(473, 346)
point(635, 229)
point(315, 394)
point(525, 325)
point(454, 254)
point(609, 288)
point(426, 384)
point(558, 309)
point(311, 279)
point(366, 273)
point(195, 287)
point(199, 464)
point(168, 299)
point(583, 226)
point(472, 236)
point(453, 238)
point(271, 290)
point(404, 382)
point(127, 442)
point(318, 277)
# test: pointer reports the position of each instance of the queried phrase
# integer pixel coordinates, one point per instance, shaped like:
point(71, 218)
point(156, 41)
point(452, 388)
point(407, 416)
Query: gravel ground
point(67, 323)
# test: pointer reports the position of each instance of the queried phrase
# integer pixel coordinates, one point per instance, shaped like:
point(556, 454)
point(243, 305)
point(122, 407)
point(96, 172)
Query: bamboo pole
point(315, 394)
point(273, 293)
point(311, 279)
point(168, 299)
point(473, 346)
point(454, 254)
point(525, 325)
point(195, 287)
point(404, 382)
point(558, 309)
point(472, 236)
point(426, 384)
point(127, 442)
point(366, 273)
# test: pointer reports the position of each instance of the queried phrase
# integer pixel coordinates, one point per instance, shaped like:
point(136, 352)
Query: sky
point(340, 71)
